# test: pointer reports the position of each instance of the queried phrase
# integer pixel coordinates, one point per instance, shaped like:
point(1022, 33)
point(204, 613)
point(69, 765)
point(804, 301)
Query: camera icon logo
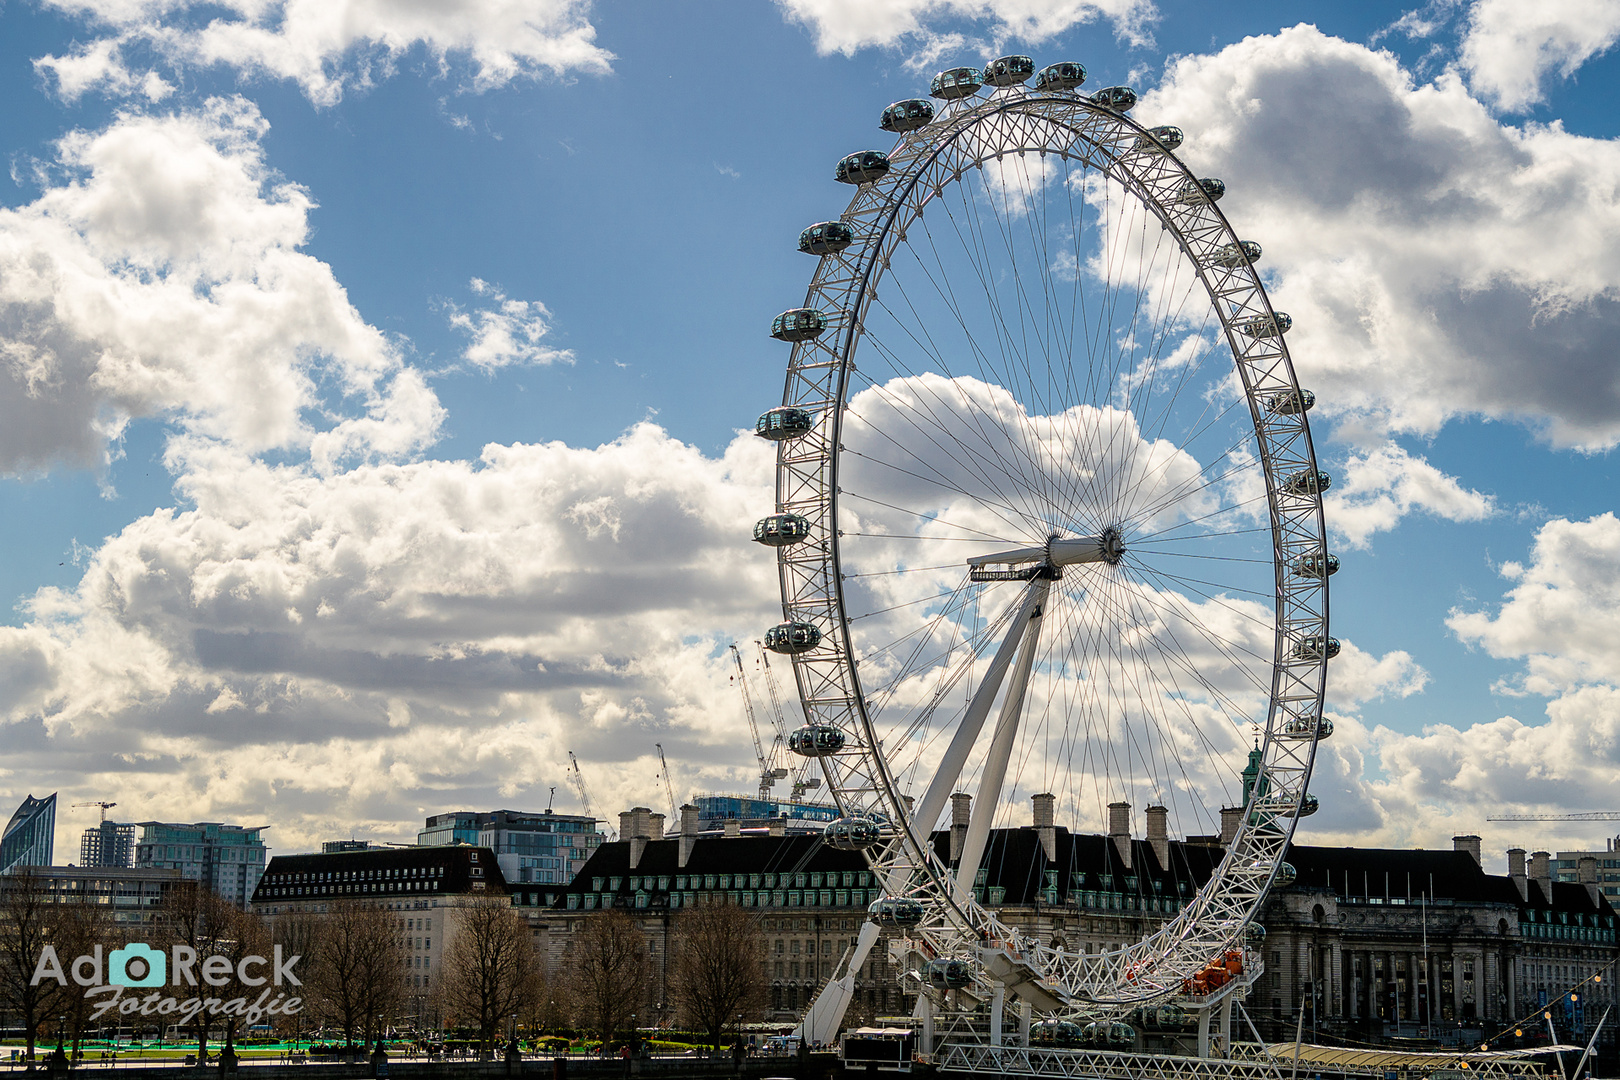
point(136, 965)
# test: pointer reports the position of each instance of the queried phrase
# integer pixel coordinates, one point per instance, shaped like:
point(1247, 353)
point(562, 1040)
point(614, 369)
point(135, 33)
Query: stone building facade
point(421, 887)
point(1370, 943)
point(1367, 944)
point(810, 900)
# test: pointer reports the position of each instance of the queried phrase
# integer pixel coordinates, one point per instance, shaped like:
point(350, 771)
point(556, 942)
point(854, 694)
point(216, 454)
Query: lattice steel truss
point(968, 134)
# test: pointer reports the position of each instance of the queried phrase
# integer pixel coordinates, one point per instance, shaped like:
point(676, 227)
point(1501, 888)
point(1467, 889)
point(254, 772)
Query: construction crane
point(767, 775)
point(105, 806)
point(1590, 815)
point(802, 782)
point(669, 790)
point(577, 778)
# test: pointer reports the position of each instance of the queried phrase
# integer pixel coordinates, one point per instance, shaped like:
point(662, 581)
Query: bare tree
point(357, 973)
point(491, 970)
point(719, 967)
point(77, 931)
point(297, 932)
point(246, 935)
point(26, 919)
point(196, 916)
point(608, 971)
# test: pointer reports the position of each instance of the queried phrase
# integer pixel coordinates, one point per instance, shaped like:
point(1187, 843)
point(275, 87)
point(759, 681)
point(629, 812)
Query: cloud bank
point(326, 47)
point(160, 276)
point(846, 27)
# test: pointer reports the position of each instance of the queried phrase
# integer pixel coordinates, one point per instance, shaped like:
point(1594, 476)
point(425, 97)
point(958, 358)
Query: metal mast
point(577, 778)
point(663, 767)
point(779, 723)
point(766, 777)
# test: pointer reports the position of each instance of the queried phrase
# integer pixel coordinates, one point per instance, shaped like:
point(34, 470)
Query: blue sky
point(449, 235)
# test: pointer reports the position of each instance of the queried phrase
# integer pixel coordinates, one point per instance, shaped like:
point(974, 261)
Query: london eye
point(1048, 521)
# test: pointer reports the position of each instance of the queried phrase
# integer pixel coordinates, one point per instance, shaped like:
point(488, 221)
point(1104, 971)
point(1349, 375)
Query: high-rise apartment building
point(30, 835)
point(544, 848)
point(110, 844)
point(229, 859)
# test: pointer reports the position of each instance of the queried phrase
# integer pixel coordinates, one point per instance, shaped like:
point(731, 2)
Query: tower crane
point(577, 778)
point(669, 790)
point(105, 806)
point(801, 781)
point(1590, 815)
point(767, 776)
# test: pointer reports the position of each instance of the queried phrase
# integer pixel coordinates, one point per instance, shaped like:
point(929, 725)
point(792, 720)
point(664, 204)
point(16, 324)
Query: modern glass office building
point(228, 858)
point(30, 834)
point(544, 848)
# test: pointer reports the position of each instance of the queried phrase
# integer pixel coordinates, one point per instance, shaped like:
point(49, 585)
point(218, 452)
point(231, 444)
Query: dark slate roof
point(1446, 875)
point(1398, 873)
point(1015, 861)
point(716, 855)
point(381, 873)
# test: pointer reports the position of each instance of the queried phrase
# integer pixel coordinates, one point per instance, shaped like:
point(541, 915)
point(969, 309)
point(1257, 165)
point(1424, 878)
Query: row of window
point(1565, 933)
point(747, 898)
point(1579, 919)
point(724, 882)
point(145, 853)
point(398, 874)
point(358, 887)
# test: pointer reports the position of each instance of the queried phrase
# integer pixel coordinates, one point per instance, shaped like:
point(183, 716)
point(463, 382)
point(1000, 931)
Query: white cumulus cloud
point(1383, 485)
point(159, 274)
point(1509, 48)
point(326, 46)
point(365, 642)
point(506, 332)
point(847, 26)
point(1437, 262)
point(1562, 615)
point(1558, 618)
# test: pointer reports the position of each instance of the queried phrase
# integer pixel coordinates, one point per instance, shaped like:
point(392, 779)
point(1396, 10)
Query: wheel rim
point(1117, 163)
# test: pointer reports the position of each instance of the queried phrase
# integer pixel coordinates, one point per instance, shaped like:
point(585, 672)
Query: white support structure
point(1001, 742)
point(978, 1059)
point(826, 1013)
point(939, 790)
point(1214, 1011)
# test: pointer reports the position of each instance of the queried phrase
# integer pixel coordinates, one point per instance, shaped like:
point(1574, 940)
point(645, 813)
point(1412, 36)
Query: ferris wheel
point(1042, 457)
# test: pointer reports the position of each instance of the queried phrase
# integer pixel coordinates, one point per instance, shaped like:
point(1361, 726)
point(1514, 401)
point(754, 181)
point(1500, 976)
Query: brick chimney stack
point(1231, 818)
point(1470, 844)
point(961, 816)
point(1119, 830)
point(1158, 833)
point(1516, 872)
point(1541, 871)
point(1045, 827)
point(637, 828)
point(1586, 872)
point(689, 831)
